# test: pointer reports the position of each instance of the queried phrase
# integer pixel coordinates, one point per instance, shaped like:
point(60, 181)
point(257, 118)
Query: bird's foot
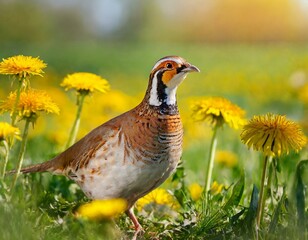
point(139, 231)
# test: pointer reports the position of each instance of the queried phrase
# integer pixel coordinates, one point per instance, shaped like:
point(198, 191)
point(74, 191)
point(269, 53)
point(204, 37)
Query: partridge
point(134, 153)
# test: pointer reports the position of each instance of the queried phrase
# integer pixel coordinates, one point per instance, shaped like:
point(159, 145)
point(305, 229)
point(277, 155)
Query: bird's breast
point(155, 139)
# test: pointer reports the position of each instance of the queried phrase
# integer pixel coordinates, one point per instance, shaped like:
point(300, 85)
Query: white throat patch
point(170, 90)
point(171, 96)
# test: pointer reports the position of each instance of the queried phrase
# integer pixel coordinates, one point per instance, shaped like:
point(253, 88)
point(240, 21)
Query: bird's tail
point(40, 167)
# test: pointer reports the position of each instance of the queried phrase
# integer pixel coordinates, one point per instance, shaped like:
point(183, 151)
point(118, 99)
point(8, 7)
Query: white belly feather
point(114, 174)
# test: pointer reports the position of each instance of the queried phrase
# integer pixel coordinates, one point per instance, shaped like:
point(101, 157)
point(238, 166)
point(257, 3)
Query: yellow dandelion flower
point(226, 158)
point(22, 66)
point(158, 196)
point(216, 188)
point(218, 111)
point(31, 102)
point(85, 82)
point(7, 131)
point(273, 134)
point(102, 209)
point(195, 191)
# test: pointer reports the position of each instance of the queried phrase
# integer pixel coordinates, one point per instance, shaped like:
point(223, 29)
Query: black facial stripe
point(161, 93)
point(179, 69)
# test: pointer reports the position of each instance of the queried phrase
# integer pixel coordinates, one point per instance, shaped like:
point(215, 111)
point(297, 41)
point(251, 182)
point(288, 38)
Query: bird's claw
point(138, 233)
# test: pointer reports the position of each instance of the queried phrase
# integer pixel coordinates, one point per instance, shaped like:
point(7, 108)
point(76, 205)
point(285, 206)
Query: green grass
point(256, 77)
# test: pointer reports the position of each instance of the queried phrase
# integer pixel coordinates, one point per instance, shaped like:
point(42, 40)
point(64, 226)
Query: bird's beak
point(191, 68)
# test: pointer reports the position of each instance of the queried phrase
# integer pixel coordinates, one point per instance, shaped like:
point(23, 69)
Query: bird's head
point(166, 75)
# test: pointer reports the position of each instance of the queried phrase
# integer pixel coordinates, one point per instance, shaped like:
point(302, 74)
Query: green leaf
point(218, 218)
point(237, 194)
point(246, 226)
point(277, 212)
point(300, 196)
point(253, 206)
point(180, 192)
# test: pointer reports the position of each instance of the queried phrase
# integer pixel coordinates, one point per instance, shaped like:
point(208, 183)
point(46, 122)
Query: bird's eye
point(169, 65)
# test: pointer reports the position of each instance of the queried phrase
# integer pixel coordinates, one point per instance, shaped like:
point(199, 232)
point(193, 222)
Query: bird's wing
point(78, 155)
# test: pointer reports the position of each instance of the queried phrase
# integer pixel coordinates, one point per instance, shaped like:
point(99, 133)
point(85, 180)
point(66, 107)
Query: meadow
point(260, 79)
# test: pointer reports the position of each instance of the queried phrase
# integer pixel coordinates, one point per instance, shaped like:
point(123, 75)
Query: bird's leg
point(138, 227)
point(130, 213)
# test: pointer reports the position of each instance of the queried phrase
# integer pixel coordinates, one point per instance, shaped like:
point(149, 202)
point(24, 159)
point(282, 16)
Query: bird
point(133, 153)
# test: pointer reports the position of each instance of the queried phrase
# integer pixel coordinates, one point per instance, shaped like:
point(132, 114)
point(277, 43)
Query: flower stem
point(263, 191)
point(21, 152)
point(14, 115)
point(6, 158)
point(210, 165)
point(75, 127)
point(269, 179)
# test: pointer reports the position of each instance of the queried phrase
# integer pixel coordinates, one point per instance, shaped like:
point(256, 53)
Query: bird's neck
point(158, 96)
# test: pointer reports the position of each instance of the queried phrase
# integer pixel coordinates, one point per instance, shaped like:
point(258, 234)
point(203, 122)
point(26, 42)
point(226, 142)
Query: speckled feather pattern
point(126, 157)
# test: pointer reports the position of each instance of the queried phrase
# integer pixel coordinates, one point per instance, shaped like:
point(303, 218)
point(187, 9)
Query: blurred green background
point(254, 53)
point(240, 46)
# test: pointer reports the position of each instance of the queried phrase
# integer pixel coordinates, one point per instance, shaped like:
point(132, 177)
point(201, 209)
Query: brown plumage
point(134, 153)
